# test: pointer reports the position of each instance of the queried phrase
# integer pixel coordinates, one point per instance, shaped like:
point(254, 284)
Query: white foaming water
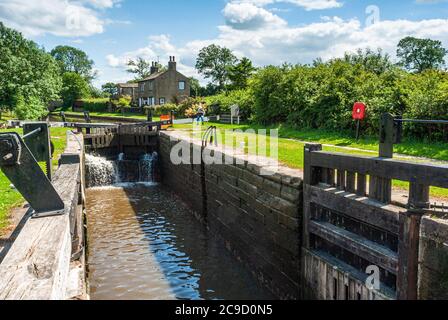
point(103, 173)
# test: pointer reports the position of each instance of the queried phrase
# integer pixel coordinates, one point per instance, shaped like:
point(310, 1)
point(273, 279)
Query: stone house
point(163, 87)
point(128, 89)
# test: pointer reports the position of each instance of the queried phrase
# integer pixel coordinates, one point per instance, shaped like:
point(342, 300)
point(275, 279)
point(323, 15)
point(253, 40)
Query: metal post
point(149, 114)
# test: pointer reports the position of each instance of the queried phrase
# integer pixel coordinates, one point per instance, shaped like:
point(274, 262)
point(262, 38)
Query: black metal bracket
point(20, 166)
point(37, 139)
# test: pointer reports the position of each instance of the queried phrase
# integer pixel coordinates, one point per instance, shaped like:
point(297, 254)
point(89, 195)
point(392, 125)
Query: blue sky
point(267, 31)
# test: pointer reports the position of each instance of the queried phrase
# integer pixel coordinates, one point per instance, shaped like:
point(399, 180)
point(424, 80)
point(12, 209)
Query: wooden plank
point(37, 265)
point(360, 208)
point(429, 174)
point(380, 189)
point(361, 185)
point(407, 282)
point(351, 182)
point(341, 179)
point(370, 251)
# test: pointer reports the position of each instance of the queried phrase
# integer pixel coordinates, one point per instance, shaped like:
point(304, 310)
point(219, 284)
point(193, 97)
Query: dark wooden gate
point(351, 222)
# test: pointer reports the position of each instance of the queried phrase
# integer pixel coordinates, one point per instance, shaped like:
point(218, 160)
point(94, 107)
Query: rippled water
point(145, 244)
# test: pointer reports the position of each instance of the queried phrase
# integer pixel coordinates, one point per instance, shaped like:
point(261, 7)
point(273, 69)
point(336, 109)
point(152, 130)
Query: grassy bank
point(292, 142)
point(10, 198)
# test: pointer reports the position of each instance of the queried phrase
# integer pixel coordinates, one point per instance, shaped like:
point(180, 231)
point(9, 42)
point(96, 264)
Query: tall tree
point(195, 87)
point(140, 67)
point(240, 73)
point(214, 63)
point(27, 73)
point(74, 87)
point(74, 60)
point(372, 61)
point(109, 88)
point(419, 55)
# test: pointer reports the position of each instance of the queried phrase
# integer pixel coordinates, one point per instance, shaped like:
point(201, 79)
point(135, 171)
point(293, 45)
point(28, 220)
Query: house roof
point(128, 85)
point(153, 76)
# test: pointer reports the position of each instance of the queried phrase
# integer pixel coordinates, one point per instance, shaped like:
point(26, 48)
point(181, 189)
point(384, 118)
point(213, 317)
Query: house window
point(150, 84)
point(181, 85)
point(142, 87)
point(161, 101)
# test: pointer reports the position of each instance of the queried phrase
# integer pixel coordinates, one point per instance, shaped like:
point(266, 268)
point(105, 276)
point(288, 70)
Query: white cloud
point(329, 38)
point(306, 4)
point(248, 16)
point(68, 18)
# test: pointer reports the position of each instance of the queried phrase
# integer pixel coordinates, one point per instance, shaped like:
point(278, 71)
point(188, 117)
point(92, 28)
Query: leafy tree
point(27, 72)
point(110, 89)
point(140, 67)
point(372, 61)
point(31, 109)
point(419, 55)
point(74, 60)
point(240, 73)
point(214, 63)
point(123, 102)
point(195, 87)
point(74, 87)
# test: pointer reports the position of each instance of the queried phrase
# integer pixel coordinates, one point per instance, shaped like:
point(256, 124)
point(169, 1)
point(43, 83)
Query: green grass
point(291, 148)
point(106, 114)
point(10, 198)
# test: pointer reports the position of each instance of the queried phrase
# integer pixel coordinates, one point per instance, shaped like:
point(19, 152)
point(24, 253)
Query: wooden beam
point(368, 250)
point(359, 208)
point(427, 174)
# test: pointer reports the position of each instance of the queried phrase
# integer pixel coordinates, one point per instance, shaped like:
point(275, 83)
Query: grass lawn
point(11, 198)
point(106, 114)
point(291, 148)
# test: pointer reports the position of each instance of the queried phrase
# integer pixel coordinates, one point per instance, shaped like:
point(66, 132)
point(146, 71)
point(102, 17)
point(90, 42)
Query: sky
point(267, 31)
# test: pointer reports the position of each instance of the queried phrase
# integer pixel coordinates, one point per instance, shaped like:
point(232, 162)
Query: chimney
point(172, 63)
point(154, 68)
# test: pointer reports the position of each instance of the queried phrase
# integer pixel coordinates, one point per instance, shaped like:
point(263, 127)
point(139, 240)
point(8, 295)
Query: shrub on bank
point(96, 104)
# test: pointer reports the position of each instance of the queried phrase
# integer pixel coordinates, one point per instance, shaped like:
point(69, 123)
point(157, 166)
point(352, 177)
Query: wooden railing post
point(409, 240)
point(312, 176)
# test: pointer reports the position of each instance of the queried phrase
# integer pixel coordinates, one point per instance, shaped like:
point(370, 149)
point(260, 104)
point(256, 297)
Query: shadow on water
point(145, 243)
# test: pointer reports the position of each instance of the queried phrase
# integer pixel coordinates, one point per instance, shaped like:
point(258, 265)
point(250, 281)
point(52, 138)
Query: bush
point(32, 109)
point(165, 109)
point(222, 103)
point(322, 97)
point(96, 105)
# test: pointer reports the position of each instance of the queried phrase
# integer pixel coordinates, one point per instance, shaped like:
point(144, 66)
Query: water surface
point(145, 244)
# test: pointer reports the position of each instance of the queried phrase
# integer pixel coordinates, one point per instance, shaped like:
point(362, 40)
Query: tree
point(123, 102)
point(74, 87)
point(140, 67)
point(240, 73)
point(27, 73)
point(195, 87)
point(419, 55)
point(74, 60)
point(371, 61)
point(109, 89)
point(214, 63)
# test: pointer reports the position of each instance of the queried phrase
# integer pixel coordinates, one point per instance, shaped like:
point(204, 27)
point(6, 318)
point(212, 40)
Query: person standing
point(200, 114)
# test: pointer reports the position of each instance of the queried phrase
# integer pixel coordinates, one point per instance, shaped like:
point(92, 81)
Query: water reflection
point(144, 243)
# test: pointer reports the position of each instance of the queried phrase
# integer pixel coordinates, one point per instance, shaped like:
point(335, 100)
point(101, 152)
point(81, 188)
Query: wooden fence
point(350, 224)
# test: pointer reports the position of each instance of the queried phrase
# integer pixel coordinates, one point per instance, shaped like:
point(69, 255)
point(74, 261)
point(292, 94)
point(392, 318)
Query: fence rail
point(349, 216)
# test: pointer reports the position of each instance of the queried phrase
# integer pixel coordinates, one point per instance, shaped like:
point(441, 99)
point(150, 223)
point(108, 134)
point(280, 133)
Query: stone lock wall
point(258, 217)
